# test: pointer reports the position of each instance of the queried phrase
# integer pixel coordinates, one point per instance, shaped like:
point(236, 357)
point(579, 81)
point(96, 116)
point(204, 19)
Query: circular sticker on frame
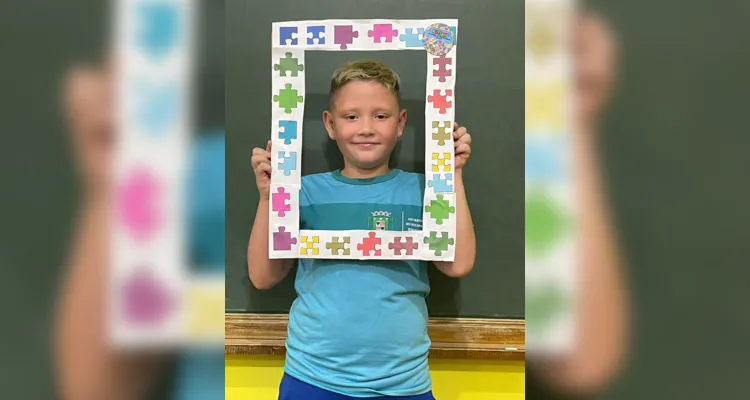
point(438, 39)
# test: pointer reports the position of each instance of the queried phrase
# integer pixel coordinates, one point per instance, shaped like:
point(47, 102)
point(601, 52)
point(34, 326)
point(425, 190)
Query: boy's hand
point(261, 162)
point(595, 57)
point(462, 145)
point(87, 107)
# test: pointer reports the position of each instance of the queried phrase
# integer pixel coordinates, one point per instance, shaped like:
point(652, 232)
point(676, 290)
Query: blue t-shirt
point(359, 328)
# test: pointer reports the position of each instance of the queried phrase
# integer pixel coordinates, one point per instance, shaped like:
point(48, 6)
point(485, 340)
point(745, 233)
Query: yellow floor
point(257, 378)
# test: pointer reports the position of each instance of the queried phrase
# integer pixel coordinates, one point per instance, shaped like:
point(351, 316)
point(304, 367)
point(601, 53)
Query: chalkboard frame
point(456, 338)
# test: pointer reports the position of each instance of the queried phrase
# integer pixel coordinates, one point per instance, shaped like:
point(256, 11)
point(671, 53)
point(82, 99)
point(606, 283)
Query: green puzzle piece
point(545, 222)
point(288, 98)
point(288, 64)
point(443, 133)
point(438, 244)
point(439, 209)
point(542, 306)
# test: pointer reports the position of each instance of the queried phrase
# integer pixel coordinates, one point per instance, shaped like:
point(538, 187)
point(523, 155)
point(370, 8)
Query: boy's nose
point(367, 128)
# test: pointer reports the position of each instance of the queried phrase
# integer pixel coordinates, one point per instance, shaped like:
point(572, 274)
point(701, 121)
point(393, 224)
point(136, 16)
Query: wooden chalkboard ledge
point(470, 338)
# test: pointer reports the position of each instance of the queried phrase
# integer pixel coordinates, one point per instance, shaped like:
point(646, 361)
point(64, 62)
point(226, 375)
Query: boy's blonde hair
point(365, 70)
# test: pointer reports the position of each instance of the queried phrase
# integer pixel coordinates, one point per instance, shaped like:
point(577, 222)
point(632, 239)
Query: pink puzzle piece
point(138, 203)
point(382, 31)
point(279, 200)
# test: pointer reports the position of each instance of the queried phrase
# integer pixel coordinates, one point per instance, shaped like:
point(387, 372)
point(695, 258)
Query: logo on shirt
point(380, 221)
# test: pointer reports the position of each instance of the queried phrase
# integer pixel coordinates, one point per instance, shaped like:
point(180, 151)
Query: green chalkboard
point(489, 97)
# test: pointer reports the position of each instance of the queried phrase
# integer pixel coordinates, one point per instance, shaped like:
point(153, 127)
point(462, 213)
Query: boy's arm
point(85, 366)
point(603, 316)
point(264, 273)
point(465, 244)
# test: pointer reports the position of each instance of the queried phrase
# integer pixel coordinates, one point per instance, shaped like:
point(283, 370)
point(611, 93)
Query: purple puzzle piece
point(146, 299)
point(279, 202)
point(283, 240)
point(382, 31)
point(344, 35)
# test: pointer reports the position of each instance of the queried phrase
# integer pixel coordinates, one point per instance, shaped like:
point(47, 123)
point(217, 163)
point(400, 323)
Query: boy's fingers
point(268, 146)
point(459, 133)
point(463, 149)
point(264, 167)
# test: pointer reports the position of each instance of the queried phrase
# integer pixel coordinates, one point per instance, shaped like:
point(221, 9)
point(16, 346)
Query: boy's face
point(366, 122)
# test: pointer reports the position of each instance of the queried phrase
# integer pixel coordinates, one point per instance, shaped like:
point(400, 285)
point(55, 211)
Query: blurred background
point(672, 146)
point(43, 197)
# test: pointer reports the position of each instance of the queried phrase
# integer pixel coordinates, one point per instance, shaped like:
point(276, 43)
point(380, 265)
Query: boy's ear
point(328, 122)
point(401, 122)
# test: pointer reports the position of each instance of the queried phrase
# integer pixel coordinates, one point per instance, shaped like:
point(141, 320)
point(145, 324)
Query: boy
point(359, 328)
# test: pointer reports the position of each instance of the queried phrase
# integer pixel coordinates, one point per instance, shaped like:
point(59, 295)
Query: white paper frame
point(291, 40)
point(157, 258)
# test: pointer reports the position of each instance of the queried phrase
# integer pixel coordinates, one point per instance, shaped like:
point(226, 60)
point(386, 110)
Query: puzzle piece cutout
point(344, 35)
point(380, 32)
point(287, 162)
point(440, 100)
point(309, 245)
point(287, 131)
point(339, 248)
point(147, 299)
point(442, 132)
point(444, 68)
point(545, 106)
point(157, 106)
point(440, 185)
point(287, 35)
point(159, 31)
point(316, 34)
point(283, 240)
point(288, 98)
point(545, 159)
point(439, 244)
point(279, 202)
point(370, 244)
point(288, 64)
point(407, 245)
point(412, 39)
point(139, 203)
point(440, 209)
point(441, 161)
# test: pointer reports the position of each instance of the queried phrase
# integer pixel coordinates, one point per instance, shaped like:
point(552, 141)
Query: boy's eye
point(351, 117)
point(381, 116)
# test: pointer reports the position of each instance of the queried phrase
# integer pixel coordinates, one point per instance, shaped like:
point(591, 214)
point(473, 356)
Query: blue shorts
point(292, 388)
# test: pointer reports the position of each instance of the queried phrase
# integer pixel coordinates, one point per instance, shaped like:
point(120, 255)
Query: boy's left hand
point(462, 145)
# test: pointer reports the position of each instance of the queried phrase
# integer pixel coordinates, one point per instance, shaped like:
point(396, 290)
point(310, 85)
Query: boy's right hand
point(261, 162)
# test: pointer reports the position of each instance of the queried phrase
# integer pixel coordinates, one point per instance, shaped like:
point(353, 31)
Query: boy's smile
point(366, 121)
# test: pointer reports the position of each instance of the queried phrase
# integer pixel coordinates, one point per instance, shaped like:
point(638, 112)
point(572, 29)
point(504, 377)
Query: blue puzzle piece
point(412, 39)
point(156, 107)
point(288, 162)
point(287, 33)
point(316, 32)
point(544, 159)
point(441, 185)
point(159, 30)
point(287, 131)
